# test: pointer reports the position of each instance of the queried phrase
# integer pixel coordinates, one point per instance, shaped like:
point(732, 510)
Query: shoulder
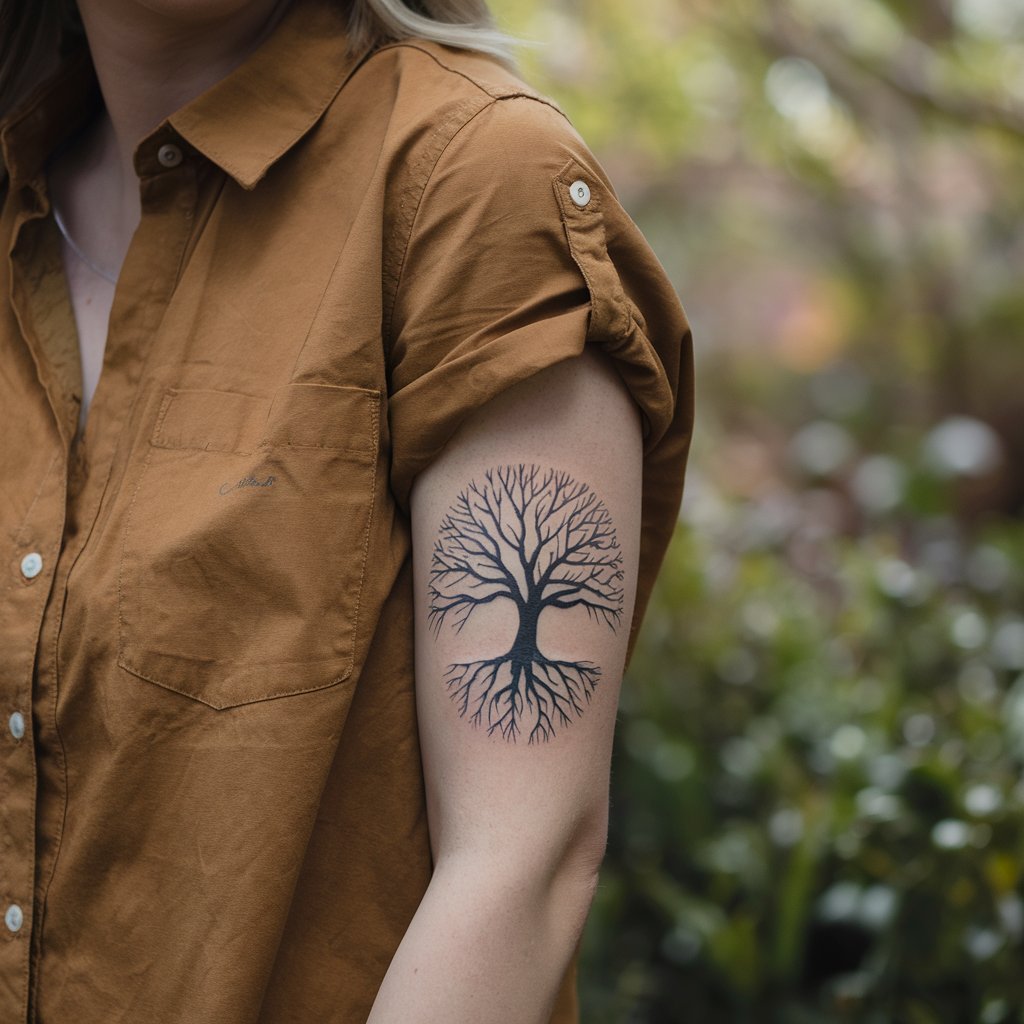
point(469, 108)
point(457, 73)
point(468, 149)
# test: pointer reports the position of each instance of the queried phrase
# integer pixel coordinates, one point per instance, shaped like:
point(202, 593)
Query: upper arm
point(528, 335)
point(525, 546)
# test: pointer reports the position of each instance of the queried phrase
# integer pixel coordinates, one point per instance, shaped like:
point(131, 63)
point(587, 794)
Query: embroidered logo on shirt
point(246, 481)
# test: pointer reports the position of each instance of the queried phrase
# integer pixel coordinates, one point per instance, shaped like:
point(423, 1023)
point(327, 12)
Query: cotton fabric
point(216, 814)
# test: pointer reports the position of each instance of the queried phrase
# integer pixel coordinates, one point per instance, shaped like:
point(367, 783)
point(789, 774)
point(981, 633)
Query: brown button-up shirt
point(211, 796)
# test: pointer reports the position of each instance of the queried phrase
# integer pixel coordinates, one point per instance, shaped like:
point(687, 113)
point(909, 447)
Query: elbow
point(573, 883)
point(569, 900)
point(585, 847)
point(541, 880)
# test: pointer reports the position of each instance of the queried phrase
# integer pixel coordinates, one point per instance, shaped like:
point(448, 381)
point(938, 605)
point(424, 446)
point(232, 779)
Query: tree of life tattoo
point(544, 542)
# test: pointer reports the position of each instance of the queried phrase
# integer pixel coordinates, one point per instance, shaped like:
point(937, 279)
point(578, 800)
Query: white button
point(32, 565)
point(14, 918)
point(168, 155)
point(16, 723)
point(579, 192)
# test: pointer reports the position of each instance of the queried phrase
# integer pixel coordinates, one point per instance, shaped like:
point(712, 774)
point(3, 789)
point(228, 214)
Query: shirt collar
point(243, 124)
point(251, 118)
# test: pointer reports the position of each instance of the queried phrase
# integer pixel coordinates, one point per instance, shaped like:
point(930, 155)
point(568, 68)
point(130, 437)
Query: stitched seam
point(201, 699)
point(310, 447)
point(392, 300)
point(165, 404)
point(167, 447)
point(373, 394)
point(407, 45)
point(366, 533)
point(262, 446)
point(495, 92)
point(408, 228)
point(190, 216)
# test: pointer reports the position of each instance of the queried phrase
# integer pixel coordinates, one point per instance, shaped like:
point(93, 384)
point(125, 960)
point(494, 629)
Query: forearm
point(488, 945)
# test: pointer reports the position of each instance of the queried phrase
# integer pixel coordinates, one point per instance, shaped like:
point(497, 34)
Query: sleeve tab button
point(579, 192)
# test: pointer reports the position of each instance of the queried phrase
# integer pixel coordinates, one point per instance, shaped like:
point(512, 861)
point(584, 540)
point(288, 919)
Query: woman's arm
point(526, 537)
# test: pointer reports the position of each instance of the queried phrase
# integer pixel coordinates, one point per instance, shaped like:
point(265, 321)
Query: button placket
point(31, 619)
point(22, 623)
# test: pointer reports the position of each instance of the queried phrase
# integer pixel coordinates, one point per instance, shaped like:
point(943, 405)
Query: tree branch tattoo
point(545, 542)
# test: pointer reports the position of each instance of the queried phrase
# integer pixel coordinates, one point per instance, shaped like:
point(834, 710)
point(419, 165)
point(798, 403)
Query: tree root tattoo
point(543, 541)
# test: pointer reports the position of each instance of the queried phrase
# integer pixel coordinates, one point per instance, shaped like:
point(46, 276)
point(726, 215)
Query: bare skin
point(151, 58)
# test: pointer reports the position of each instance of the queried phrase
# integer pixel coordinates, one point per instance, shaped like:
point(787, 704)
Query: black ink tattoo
point(542, 540)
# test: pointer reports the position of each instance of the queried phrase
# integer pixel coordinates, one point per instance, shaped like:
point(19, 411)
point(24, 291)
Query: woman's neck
point(154, 56)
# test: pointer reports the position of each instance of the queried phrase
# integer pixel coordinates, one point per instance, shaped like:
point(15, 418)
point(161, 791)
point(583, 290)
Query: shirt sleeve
point(511, 267)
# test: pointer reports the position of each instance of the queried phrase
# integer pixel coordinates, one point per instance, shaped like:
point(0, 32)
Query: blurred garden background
point(818, 805)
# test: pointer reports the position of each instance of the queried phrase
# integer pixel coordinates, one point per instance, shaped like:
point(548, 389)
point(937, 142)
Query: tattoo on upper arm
point(544, 542)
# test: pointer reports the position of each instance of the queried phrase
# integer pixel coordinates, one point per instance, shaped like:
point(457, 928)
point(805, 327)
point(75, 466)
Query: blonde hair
point(465, 24)
point(30, 30)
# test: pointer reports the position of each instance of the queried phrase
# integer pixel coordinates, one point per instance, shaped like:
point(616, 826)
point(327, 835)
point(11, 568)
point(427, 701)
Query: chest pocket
point(245, 543)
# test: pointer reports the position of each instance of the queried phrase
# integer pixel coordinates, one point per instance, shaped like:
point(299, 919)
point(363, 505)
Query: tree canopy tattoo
point(545, 542)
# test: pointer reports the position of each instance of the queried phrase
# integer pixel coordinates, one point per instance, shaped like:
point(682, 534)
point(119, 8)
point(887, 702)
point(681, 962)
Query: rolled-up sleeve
point(519, 255)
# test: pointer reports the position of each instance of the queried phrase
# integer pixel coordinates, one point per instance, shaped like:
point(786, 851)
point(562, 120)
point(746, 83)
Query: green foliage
point(817, 813)
point(817, 807)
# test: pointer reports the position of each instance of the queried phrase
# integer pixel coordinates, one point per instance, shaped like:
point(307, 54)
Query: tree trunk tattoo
point(544, 541)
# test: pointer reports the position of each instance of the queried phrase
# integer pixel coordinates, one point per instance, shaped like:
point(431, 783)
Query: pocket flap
point(324, 416)
point(209, 420)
